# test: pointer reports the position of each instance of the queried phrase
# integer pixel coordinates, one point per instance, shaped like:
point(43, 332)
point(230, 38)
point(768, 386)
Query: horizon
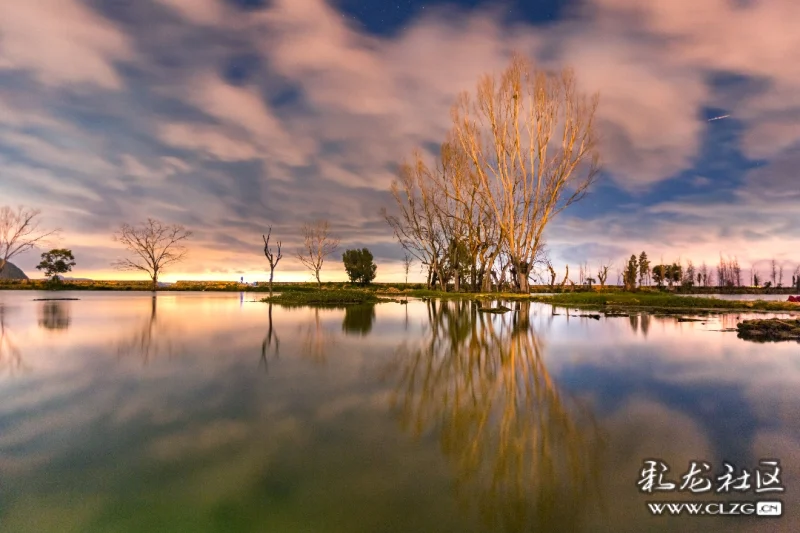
point(230, 116)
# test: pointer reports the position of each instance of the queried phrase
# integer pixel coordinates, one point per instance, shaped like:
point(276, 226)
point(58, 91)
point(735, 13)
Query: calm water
point(209, 412)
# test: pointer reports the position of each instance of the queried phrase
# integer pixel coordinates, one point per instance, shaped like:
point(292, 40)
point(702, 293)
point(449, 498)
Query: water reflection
point(527, 457)
point(358, 319)
point(268, 342)
point(54, 315)
point(317, 340)
point(10, 355)
point(150, 339)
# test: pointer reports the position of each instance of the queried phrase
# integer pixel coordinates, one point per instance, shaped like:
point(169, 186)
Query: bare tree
point(704, 274)
point(20, 232)
point(154, 247)
point(407, 261)
point(774, 272)
point(273, 258)
point(602, 274)
point(418, 227)
point(318, 243)
point(530, 138)
point(780, 274)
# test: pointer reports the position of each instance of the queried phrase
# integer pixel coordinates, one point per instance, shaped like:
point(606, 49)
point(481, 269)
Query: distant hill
point(11, 271)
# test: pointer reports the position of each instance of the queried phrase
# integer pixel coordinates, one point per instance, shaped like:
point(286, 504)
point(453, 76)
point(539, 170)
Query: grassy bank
point(660, 302)
point(323, 297)
point(220, 286)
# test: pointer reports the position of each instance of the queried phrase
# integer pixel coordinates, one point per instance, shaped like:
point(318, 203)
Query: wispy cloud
point(226, 120)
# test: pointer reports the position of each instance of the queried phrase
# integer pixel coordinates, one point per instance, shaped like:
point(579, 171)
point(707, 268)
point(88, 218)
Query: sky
point(231, 116)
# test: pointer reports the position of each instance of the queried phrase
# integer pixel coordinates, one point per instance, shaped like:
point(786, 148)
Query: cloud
point(229, 120)
point(61, 41)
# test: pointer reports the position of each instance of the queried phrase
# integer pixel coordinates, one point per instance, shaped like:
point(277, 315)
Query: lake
point(206, 412)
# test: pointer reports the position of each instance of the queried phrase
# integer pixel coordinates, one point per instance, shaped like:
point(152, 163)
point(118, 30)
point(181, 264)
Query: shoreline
point(611, 299)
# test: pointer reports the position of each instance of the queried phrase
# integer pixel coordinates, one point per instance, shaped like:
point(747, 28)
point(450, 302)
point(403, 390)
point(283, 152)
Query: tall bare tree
point(418, 226)
point(153, 245)
point(774, 272)
point(407, 260)
point(318, 243)
point(20, 231)
point(529, 135)
point(273, 258)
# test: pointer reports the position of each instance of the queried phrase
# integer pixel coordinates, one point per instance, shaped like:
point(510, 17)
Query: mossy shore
point(611, 299)
point(662, 302)
point(771, 330)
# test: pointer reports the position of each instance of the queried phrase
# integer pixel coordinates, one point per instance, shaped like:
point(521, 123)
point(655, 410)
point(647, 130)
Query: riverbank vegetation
point(659, 301)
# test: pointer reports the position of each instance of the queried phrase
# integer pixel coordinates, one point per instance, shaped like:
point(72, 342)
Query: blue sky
point(232, 115)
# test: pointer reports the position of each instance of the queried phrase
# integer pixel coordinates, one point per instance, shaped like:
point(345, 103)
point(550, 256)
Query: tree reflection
point(358, 319)
point(527, 458)
point(316, 339)
point(149, 340)
point(10, 355)
point(268, 340)
point(54, 315)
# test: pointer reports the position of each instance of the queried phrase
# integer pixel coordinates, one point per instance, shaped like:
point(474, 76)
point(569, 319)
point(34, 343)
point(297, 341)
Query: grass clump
point(660, 301)
point(323, 297)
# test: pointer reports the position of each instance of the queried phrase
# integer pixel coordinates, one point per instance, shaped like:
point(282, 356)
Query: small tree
point(660, 274)
point(644, 268)
point(154, 246)
point(318, 244)
point(359, 266)
point(407, 261)
point(631, 273)
point(55, 262)
point(273, 258)
point(19, 232)
point(688, 277)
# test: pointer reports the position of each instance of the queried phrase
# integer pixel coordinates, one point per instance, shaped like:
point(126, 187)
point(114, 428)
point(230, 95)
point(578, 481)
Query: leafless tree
point(780, 274)
point(704, 274)
point(153, 245)
point(602, 274)
point(418, 227)
point(318, 243)
point(774, 272)
point(407, 261)
point(273, 258)
point(20, 231)
point(529, 136)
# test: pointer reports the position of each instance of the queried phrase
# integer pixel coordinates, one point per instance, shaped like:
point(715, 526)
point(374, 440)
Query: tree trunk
point(442, 280)
point(155, 281)
point(522, 280)
point(271, 272)
point(319, 283)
